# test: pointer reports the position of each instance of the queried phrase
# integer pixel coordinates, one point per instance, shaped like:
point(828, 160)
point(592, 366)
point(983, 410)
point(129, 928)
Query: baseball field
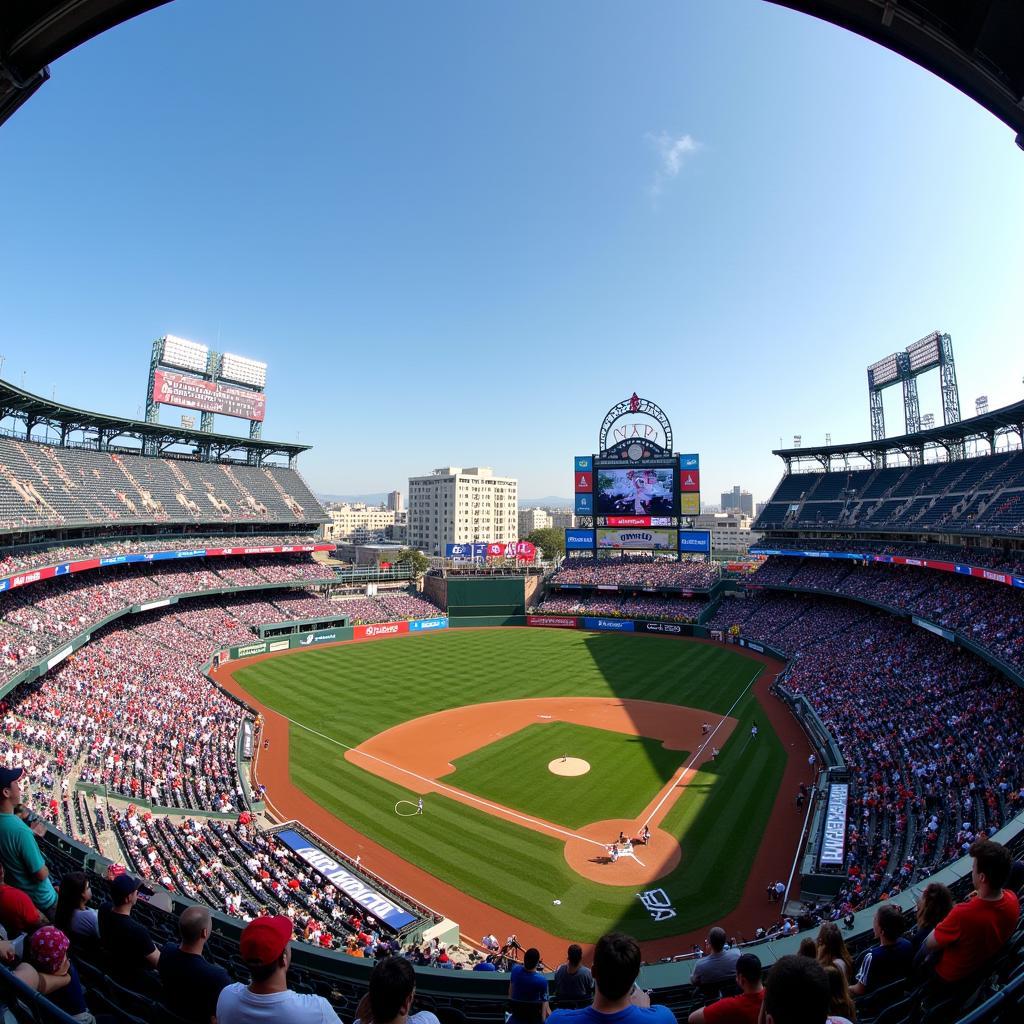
point(485, 725)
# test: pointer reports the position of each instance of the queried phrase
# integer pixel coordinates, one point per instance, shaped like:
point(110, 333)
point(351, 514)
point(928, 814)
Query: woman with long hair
point(73, 916)
point(841, 1009)
point(832, 949)
point(934, 903)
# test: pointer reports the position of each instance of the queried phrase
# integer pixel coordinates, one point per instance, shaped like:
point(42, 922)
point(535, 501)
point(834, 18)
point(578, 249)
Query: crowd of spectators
point(637, 572)
point(38, 557)
point(932, 735)
point(669, 609)
point(984, 611)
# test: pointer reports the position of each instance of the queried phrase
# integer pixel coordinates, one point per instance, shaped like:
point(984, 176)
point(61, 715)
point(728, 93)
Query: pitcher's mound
point(646, 864)
point(569, 766)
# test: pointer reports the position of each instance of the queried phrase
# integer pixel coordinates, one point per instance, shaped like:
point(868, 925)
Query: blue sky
point(459, 232)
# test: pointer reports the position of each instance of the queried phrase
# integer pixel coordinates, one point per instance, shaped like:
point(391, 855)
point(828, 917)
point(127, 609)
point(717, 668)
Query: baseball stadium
point(205, 705)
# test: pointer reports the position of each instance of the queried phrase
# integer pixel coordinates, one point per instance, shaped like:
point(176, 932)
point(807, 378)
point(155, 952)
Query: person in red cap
point(47, 951)
point(265, 948)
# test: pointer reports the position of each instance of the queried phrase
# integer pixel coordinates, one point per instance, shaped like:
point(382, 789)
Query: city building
point(531, 519)
point(395, 501)
point(562, 518)
point(738, 501)
point(459, 506)
point(357, 523)
point(730, 531)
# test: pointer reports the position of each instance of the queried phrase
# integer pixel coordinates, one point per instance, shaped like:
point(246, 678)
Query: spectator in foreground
point(615, 970)
point(265, 948)
point(73, 916)
point(888, 961)
point(391, 994)
point(19, 851)
point(191, 984)
point(526, 985)
point(974, 932)
point(130, 952)
point(18, 914)
point(573, 982)
point(841, 1008)
point(831, 949)
point(718, 966)
point(48, 953)
point(796, 992)
point(742, 1009)
point(933, 906)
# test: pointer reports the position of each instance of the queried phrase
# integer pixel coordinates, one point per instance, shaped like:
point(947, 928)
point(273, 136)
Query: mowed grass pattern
point(625, 774)
point(351, 692)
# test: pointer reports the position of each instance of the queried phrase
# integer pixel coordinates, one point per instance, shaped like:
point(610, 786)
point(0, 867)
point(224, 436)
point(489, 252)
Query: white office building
point(459, 506)
point(730, 531)
point(531, 519)
point(357, 523)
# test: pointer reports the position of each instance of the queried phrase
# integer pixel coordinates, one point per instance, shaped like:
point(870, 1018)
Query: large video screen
point(635, 492)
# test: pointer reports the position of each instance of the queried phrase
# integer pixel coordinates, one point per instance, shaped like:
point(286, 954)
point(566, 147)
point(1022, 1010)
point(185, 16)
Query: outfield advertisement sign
point(640, 540)
point(552, 621)
point(425, 625)
point(382, 907)
point(248, 650)
point(320, 636)
point(672, 628)
point(379, 629)
point(607, 625)
point(833, 842)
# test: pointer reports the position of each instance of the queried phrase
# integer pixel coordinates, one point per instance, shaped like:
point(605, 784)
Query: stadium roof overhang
point(35, 32)
point(66, 420)
point(975, 45)
point(951, 438)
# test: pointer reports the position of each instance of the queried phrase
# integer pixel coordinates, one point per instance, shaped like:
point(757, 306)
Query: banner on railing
point(833, 842)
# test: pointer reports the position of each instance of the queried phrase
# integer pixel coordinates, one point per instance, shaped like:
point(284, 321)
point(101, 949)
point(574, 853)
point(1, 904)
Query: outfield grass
point(351, 692)
point(625, 773)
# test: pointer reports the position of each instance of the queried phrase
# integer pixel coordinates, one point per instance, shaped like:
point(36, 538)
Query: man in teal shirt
point(19, 851)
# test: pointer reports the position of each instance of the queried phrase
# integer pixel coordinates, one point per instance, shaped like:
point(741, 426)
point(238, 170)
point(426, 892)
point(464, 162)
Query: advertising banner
point(458, 551)
point(833, 843)
point(423, 625)
point(638, 520)
point(584, 504)
point(584, 482)
point(379, 629)
point(608, 625)
point(641, 540)
point(323, 636)
point(277, 645)
point(689, 481)
point(579, 540)
point(383, 908)
point(698, 541)
point(689, 462)
point(192, 393)
point(583, 464)
point(248, 650)
point(672, 628)
point(552, 621)
point(689, 504)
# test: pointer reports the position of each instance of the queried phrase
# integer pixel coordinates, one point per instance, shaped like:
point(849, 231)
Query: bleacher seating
point(49, 486)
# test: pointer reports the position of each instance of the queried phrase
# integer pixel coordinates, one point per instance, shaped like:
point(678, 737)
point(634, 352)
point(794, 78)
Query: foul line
point(462, 794)
point(676, 779)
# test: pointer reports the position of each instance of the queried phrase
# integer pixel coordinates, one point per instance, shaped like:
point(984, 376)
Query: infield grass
point(625, 773)
point(346, 694)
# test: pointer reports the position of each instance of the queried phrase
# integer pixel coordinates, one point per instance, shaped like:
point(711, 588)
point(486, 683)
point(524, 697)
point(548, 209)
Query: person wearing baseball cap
point(19, 851)
point(265, 948)
point(130, 951)
point(47, 951)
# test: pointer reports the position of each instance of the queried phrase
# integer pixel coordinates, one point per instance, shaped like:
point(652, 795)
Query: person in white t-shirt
point(392, 991)
point(265, 948)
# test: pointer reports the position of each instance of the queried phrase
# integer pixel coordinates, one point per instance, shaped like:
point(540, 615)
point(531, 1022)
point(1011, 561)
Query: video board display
point(637, 540)
point(639, 491)
point(194, 393)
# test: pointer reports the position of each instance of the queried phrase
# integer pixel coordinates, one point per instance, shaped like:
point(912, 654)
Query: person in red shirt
point(974, 932)
point(742, 1009)
point(18, 914)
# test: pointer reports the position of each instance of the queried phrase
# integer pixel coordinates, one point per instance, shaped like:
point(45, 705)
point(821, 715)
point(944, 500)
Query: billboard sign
point(579, 540)
point(583, 464)
point(552, 621)
point(381, 906)
point(689, 481)
point(689, 504)
point(689, 462)
point(584, 483)
point(642, 492)
point(672, 628)
point(639, 540)
point(833, 842)
point(584, 504)
point(607, 625)
point(194, 393)
point(697, 541)
point(425, 625)
point(379, 629)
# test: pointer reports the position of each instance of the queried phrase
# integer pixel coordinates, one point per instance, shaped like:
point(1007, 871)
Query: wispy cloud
point(673, 151)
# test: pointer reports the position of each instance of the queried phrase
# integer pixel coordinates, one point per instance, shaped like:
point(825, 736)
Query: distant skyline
point(459, 233)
